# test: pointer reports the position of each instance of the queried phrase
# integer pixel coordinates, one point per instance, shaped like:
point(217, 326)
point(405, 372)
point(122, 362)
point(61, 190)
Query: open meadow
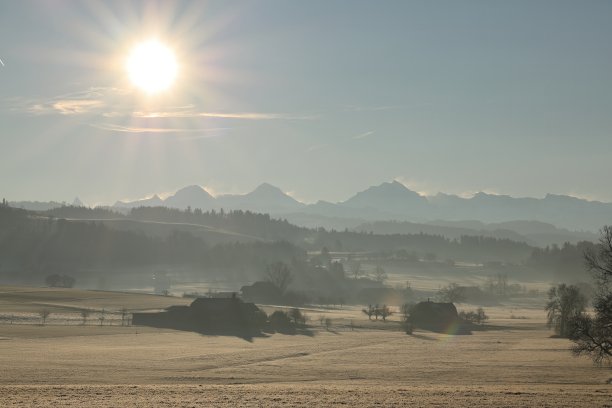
point(514, 362)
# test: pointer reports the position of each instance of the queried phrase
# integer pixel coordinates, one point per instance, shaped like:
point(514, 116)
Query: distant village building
point(228, 315)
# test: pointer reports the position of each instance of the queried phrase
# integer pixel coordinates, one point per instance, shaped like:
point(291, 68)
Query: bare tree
point(279, 275)
point(84, 315)
point(385, 312)
point(369, 311)
point(481, 316)
point(379, 274)
point(297, 316)
point(497, 284)
point(355, 268)
point(44, 314)
point(593, 335)
point(328, 323)
point(452, 293)
point(565, 303)
point(102, 316)
point(124, 314)
point(599, 260)
point(376, 312)
point(406, 310)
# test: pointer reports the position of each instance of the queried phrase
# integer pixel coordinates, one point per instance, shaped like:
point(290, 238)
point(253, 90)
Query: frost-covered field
point(354, 394)
point(517, 364)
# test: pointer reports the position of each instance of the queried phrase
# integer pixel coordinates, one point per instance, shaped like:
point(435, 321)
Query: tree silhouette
point(124, 314)
point(452, 293)
point(565, 302)
point(593, 335)
point(44, 314)
point(279, 275)
point(356, 271)
point(376, 311)
point(406, 310)
point(385, 312)
point(84, 315)
point(379, 274)
point(369, 311)
point(299, 319)
point(479, 316)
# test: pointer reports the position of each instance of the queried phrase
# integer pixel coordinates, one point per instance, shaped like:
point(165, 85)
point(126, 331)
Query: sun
point(152, 66)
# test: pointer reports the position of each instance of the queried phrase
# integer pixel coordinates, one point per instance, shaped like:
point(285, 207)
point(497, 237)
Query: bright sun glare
point(152, 66)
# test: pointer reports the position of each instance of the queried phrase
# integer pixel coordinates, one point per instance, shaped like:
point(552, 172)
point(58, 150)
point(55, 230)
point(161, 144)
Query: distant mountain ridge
point(390, 201)
point(394, 201)
point(265, 198)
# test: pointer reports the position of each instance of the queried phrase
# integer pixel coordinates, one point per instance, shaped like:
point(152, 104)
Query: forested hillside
point(78, 239)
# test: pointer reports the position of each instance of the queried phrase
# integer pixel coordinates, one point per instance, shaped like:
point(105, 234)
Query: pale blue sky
point(321, 98)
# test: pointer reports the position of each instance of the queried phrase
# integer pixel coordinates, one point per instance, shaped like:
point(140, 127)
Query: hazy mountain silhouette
point(394, 201)
point(265, 198)
point(145, 202)
point(191, 196)
point(563, 211)
point(393, 198)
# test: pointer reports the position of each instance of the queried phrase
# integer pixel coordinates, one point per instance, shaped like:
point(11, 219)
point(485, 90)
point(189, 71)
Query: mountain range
point(392, 201)
point(265, 198)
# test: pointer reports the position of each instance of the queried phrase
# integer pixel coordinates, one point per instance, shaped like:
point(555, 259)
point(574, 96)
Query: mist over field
point(226, 203)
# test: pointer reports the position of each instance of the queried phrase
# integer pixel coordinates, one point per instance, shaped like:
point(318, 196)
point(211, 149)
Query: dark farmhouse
point(437, 317)
point(208, 315)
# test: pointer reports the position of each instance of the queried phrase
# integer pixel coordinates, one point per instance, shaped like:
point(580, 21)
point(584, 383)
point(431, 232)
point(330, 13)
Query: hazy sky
point(321, 98)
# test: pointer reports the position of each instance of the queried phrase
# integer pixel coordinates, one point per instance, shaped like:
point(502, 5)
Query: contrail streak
point(1, 62)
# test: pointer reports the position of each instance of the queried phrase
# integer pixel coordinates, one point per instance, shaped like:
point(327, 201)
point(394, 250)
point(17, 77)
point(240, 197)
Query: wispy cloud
point(145, 129)
point(115, 102)
point(92, 100)
point(353, 108)
point(379, 108)
point(316, 147)
point(76, 107)
point(222, 115)
point(364, 135)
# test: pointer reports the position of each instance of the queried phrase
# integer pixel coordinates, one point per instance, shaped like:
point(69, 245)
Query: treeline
point(565, 262)
point(465, 248)
point(44, 245)
point(98, 213)
point(243, 222)
point(40, 244)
